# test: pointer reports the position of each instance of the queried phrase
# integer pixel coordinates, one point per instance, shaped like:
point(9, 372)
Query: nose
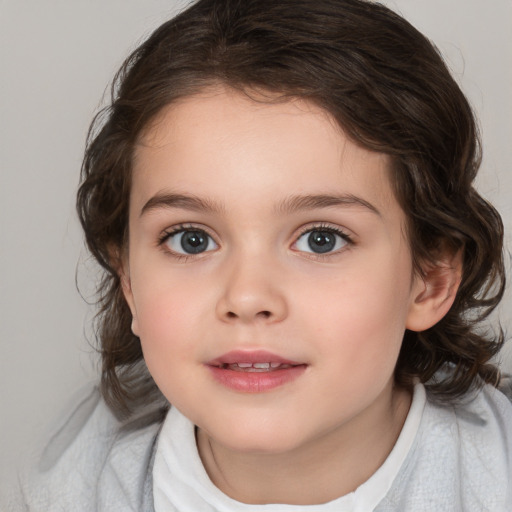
point(251, 292)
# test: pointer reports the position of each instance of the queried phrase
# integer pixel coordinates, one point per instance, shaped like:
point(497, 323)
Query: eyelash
point(308, 229)
point(329, 229)
point(182, 228)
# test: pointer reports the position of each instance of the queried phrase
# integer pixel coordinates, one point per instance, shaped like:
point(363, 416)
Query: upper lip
point(250, 356)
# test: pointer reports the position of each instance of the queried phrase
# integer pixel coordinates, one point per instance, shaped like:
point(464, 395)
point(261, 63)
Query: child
point(296, 265)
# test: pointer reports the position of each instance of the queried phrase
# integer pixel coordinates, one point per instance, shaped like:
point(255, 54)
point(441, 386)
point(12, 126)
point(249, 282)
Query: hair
point(390, 91)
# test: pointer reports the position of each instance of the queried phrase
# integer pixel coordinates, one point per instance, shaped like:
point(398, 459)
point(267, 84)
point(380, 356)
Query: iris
point(194, 242)
point(321, 241)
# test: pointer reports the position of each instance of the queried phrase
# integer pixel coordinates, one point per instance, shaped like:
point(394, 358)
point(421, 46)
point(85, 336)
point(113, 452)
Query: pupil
point(321, 241)
point(194, 242)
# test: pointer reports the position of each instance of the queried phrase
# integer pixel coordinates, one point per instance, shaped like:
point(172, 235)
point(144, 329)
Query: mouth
point(254, 371)
point(256, 367)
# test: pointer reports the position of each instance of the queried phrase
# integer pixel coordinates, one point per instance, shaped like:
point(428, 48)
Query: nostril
point(230, 314)
point(265, 314)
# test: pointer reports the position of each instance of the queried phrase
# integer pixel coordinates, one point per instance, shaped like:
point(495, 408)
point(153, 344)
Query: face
point(267, 270)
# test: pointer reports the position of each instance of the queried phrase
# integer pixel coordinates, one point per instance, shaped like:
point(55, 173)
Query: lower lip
point(256, 382)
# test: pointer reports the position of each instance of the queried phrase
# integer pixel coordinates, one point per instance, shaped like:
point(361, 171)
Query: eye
point(322, 240)
point(189, 241)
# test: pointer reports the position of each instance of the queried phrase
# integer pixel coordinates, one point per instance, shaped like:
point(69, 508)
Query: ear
point(123, 271)
point(434, 291)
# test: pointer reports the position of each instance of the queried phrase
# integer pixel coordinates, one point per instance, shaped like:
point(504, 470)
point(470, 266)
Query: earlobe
point(126, 287)
point(434, 292)
point(119, 261)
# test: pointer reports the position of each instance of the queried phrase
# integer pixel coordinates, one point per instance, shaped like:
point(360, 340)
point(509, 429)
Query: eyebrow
point(289, 205)
point(311, 202)
point(183, 201)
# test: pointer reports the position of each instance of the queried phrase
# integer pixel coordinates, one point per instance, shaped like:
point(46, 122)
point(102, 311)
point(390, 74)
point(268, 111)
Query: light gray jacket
point(96, 463)
point(93, 462)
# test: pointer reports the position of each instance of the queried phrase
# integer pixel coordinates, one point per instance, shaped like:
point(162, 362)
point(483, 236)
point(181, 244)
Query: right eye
point(189, 241)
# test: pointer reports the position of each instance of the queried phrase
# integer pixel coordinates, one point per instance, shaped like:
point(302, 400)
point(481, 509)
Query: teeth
point(261, 365)
point(256, 366)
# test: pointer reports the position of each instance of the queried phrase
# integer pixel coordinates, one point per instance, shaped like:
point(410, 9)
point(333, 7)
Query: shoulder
point(91, 459)
point(484, 423)
point(471, 442)
point(505, 386)
point(484, 427)
point(461, 458)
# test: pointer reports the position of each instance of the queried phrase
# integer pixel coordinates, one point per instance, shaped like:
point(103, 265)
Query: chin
point(260, 446)
point(270, 438)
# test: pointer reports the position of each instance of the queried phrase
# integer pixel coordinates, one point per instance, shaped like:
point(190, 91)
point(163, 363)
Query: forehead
point(225, 145)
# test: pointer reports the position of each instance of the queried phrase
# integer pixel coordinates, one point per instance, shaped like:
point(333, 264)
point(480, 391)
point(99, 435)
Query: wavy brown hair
point(389, 89)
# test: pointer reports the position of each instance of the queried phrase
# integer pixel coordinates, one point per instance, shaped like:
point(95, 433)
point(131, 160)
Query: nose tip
point(260, 314)
point(249, 297)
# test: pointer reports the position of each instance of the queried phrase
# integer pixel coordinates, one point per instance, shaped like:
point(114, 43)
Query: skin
point(260, 286)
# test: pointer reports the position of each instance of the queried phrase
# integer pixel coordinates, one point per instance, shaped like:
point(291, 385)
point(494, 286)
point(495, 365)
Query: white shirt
point(449, 458)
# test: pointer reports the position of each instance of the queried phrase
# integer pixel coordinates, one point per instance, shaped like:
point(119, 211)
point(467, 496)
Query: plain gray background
point(57, 58)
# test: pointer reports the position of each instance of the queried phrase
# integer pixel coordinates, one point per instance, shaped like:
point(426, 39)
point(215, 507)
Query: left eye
point(320, 241)
point(190, 241)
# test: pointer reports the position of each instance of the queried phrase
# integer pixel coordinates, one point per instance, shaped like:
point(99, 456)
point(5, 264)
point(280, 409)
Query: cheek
point(167, 326)
point(362, 313)
point(167, 316)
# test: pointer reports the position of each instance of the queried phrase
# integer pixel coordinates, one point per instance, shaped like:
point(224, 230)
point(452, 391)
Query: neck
point(319, 471)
